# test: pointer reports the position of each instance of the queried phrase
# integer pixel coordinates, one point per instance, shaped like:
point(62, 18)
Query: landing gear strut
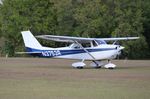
point(96, 64)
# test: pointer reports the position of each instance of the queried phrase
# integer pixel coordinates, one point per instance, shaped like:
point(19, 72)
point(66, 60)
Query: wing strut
point(97, 64)
point(85, 50)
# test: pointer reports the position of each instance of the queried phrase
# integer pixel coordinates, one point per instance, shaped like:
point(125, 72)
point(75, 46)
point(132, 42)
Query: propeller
point(119, 48)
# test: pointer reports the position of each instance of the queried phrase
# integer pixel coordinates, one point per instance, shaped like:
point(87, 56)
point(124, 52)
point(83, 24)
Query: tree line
point(83, 18)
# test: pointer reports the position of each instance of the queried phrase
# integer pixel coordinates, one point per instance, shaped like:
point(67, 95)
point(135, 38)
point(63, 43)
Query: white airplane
point(91, 49)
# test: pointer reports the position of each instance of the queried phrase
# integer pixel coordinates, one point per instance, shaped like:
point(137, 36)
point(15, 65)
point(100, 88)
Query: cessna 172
point(92, 49)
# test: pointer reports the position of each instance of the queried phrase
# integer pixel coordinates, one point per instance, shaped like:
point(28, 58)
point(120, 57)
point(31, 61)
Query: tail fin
point(30, 41)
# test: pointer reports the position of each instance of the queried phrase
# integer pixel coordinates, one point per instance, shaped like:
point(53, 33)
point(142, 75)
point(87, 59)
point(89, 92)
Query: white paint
point(78, 64)
point(110, 66)
point(30, 40)
point(99, 55)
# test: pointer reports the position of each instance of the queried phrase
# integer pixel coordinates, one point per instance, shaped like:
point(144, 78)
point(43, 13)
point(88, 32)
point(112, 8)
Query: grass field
point(36, 78)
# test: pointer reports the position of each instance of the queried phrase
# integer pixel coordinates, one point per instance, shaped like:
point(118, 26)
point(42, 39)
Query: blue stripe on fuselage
point(53, 53)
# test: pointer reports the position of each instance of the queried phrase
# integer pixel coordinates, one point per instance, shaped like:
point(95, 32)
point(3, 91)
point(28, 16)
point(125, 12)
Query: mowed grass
point(35, 78)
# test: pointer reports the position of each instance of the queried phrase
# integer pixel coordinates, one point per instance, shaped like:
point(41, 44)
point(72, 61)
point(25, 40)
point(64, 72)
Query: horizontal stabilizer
point(28, 52)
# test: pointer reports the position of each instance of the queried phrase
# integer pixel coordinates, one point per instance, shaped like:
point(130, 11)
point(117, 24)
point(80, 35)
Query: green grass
point(45, 89)
point(24, 82)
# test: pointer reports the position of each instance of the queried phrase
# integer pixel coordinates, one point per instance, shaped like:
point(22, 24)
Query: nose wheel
point(110, 65)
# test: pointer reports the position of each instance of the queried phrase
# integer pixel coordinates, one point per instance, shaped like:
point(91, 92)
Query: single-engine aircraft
point(82, 49)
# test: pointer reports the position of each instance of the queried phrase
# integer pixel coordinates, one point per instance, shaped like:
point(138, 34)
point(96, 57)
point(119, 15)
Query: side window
point(94, 43)
point(85, 45)
point(76, 46)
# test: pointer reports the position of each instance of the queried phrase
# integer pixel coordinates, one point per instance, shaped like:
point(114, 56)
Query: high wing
point(65, 38)
point(119, 38)
point(81, 39)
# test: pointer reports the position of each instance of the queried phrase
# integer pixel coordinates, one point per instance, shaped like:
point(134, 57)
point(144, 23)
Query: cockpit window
point(76, 46)
point(94, 43)
point(86, 45)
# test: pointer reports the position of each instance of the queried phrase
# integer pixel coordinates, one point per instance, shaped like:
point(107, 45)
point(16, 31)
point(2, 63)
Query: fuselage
point(101, 52)
point(94, 49)
point(81, 49)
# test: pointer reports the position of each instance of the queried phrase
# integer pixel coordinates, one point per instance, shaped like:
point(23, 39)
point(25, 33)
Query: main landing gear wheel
point(78, 65)
point(110, 68)
point(96, 64)
point(97, 67)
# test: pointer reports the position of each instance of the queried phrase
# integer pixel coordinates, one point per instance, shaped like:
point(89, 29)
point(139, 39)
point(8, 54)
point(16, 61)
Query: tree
point(19, 15)
point(146, 23)
point(88, 18)
point(128, 22)
point(92, 19)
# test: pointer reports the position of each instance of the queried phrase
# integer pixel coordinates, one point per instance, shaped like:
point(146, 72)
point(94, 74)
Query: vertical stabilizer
point(30, 41)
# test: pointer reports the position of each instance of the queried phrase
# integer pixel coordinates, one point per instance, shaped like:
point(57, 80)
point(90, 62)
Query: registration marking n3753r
point(51, 53)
